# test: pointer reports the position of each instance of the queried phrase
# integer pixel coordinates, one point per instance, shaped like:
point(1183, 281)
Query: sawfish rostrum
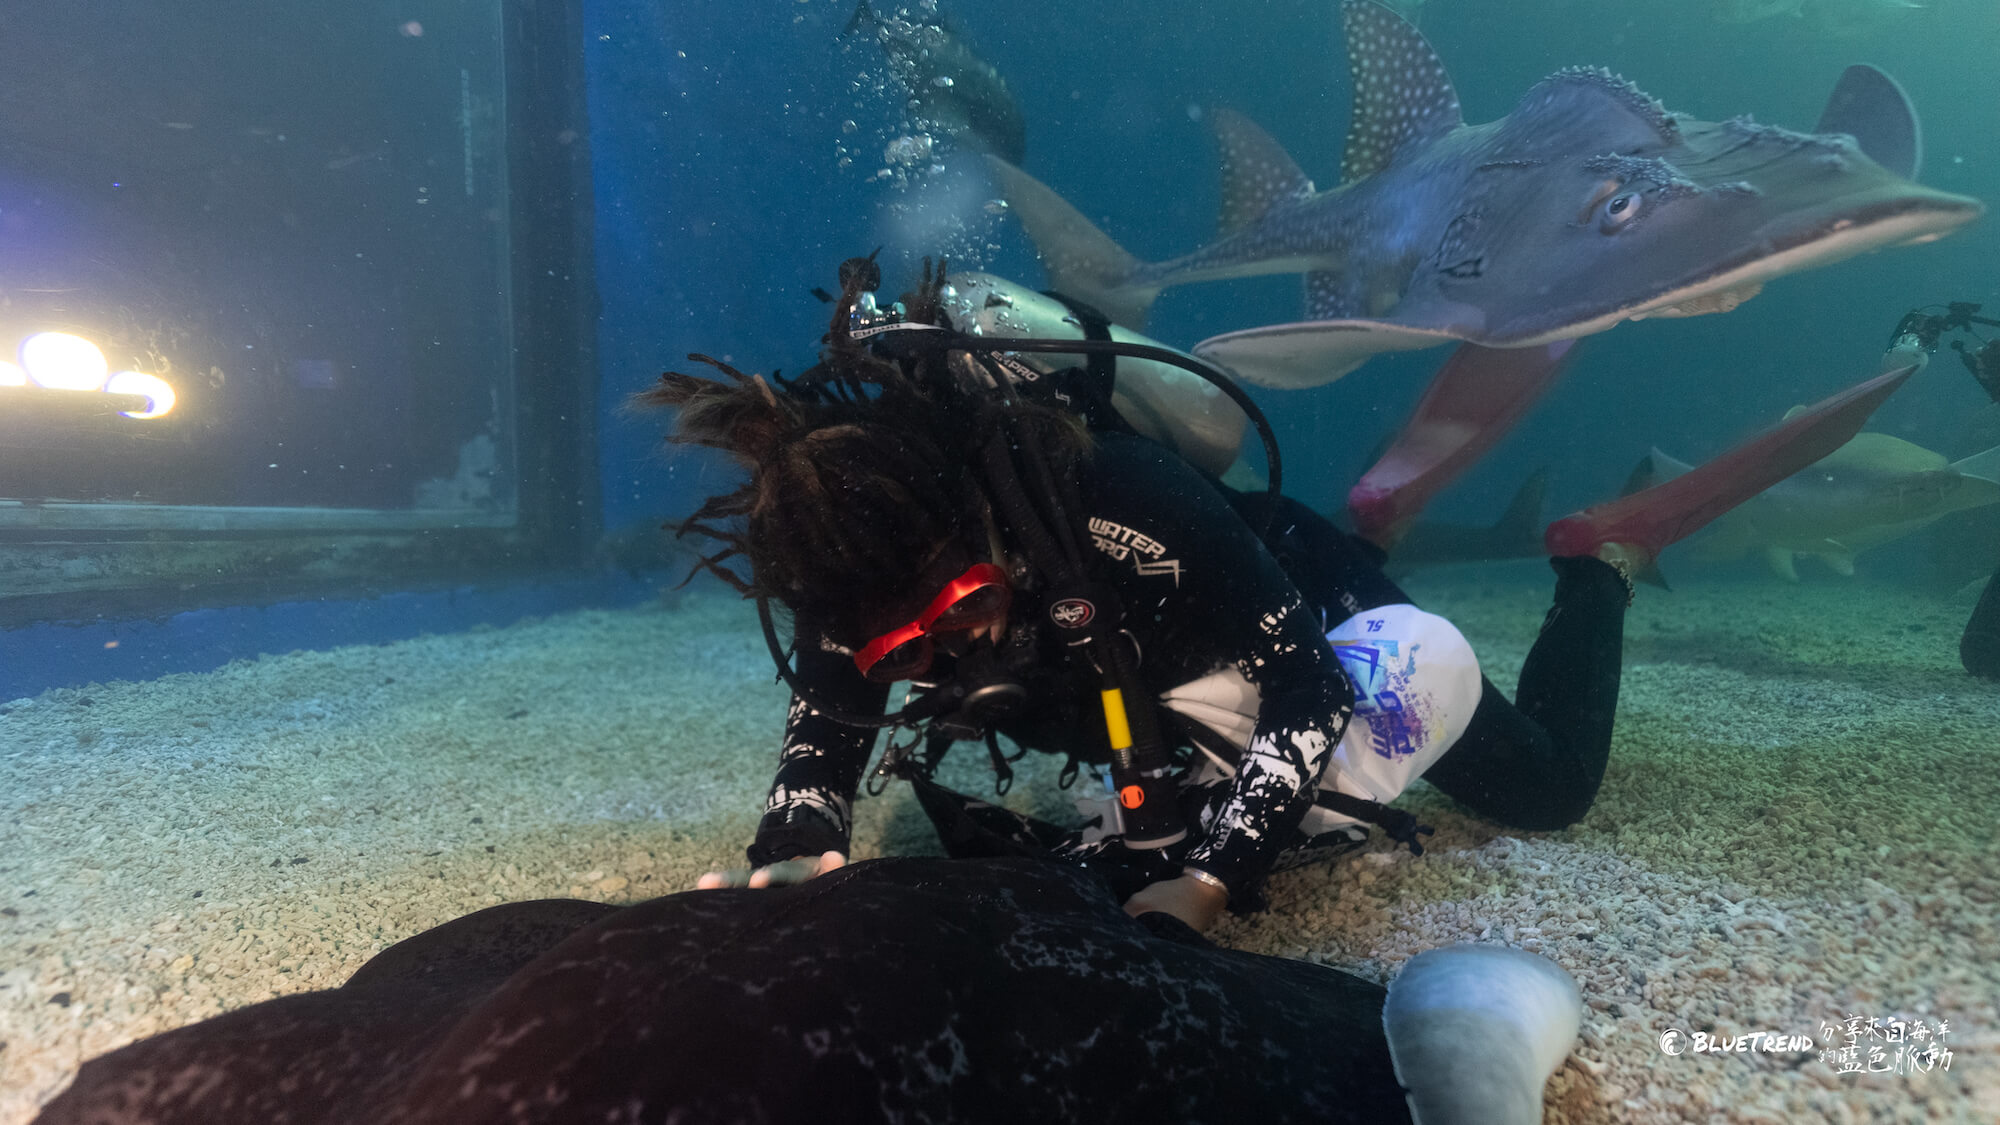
point(1589, 204)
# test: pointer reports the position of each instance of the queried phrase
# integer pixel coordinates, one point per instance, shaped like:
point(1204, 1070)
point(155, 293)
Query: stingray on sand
point(906, 990)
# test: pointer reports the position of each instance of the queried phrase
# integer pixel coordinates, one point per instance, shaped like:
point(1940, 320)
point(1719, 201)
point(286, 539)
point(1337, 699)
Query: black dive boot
point(1537, 764)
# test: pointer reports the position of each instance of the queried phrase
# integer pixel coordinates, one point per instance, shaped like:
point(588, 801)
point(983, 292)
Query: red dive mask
point(974, 600)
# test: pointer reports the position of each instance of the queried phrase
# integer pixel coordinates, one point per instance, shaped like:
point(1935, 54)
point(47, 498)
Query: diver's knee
point(1552, 812)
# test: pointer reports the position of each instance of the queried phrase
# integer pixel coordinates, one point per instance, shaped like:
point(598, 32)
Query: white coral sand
point(1798, 827)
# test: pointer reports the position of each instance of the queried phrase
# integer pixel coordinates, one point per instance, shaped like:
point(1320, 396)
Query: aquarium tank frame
point(89, 560)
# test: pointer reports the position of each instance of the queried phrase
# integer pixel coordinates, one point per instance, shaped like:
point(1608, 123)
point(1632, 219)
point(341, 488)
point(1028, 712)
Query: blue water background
point(719, 206)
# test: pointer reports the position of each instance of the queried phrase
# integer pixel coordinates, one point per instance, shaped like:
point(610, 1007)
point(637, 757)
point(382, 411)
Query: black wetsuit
point(1201, 594)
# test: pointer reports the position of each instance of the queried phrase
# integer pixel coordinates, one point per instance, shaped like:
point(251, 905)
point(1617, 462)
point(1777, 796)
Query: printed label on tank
point(1381, 672)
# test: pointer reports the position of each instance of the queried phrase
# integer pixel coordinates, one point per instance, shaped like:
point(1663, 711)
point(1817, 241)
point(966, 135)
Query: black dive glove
point(790, 833)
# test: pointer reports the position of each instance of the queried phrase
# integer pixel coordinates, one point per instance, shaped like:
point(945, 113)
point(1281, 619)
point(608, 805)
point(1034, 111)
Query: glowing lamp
point(62, 362)
point(159, 394)
point(11, 375)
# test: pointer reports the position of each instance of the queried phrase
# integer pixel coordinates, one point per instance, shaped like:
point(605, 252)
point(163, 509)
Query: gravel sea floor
point(1797, 829)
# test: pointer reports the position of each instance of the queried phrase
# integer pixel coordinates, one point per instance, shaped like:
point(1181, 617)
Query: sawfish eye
point(1619, 210)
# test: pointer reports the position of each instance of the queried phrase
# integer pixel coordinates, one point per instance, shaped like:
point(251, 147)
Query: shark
point(1589, 204)
point(1872, 490)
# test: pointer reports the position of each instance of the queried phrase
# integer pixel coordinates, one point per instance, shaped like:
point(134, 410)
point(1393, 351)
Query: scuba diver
point(1916, 337)
point(935, 509)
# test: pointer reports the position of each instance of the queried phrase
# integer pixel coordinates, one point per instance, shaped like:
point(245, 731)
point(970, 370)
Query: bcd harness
point(1044, 514)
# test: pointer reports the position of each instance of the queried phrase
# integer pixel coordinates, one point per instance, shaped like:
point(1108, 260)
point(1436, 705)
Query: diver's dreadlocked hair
point(859, 468)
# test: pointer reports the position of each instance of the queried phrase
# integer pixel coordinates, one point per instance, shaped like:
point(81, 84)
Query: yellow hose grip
point(1115, 722)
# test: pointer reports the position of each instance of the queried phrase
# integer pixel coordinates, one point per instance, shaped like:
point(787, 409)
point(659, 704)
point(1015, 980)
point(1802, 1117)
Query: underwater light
point(159, 394)
point(11, 375)
point(62, 362)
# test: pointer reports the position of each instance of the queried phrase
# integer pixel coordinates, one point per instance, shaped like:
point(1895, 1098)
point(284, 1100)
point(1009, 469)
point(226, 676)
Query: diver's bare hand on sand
point(1195, 902)
point(782, 874)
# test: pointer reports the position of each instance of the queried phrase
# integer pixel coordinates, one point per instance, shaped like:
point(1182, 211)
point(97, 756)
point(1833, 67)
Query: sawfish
point(1589, 204)
point(1874, 489)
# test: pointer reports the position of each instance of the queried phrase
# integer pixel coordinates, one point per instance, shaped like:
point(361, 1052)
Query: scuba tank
point(1165, 402)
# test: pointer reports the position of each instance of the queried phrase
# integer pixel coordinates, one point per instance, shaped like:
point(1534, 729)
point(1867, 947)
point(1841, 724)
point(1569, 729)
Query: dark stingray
point(904, 990)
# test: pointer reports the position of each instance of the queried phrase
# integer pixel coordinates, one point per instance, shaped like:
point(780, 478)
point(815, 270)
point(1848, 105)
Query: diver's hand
point(1185, 897)
point(782, 874)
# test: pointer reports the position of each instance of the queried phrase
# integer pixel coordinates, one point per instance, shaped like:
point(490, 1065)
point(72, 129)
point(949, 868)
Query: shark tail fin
point(1402, 94)
point(1981, 466)
point(1871, 107)
point(1475, 1031)
point(1082, 261)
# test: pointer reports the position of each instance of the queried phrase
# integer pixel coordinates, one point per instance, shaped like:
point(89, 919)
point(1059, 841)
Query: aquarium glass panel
point(253, 266)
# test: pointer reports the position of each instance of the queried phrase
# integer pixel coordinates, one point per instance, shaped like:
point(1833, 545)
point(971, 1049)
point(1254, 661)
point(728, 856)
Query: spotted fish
point(1587, 205)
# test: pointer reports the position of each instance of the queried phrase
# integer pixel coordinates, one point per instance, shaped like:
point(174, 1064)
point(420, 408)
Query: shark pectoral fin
point(1837, 557)
point(1309, 353)
point(1780, 561)
point(1257, 172)
point(1981, 466)
point(1475, 1031)
point(1082, 261)
point(1402, 94)
point(1871, 107)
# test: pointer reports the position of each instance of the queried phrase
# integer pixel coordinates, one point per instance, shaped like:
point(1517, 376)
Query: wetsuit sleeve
point(1223, 602)
point(810, 806)
point(1305, 704)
